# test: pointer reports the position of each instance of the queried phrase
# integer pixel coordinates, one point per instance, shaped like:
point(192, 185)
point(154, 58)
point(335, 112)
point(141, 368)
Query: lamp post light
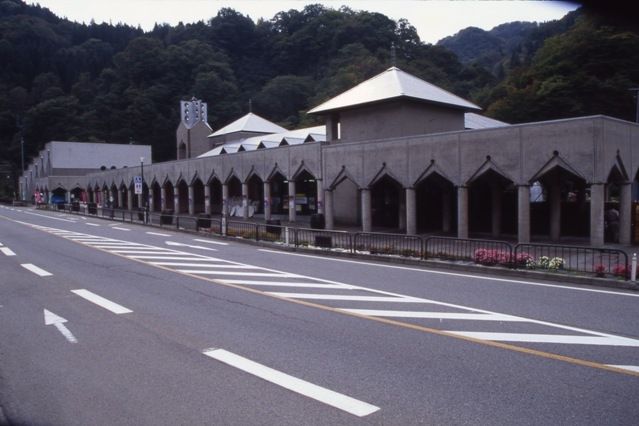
point(145, 204)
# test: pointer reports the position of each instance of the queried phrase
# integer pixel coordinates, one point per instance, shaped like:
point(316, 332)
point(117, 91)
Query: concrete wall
point(195, 139)
point(588, 145)
point(398, 119)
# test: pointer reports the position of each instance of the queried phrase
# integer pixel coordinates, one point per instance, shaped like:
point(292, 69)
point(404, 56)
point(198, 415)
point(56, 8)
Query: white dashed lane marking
point(239, 274)
point(36, 270)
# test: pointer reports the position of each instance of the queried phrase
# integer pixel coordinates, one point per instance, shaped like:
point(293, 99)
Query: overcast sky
point(434, 20)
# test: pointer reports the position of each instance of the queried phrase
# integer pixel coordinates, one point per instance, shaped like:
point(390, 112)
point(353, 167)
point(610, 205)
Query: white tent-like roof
point(249, 123)
point(291, 137)
point(393, 84)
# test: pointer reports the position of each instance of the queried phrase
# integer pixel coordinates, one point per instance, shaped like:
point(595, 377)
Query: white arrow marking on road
point(172, 243)
point(51, 318)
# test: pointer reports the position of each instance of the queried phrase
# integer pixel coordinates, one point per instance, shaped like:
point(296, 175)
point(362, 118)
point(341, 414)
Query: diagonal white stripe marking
point(148, 251)
point(38, 271)
point(344, 297)
point(210, 242)
point(550, 338)
point(254, 274)
point(211, 265)
point(435, 315)
point(102, 302)
point(7, 251)
point(168, 258)
point(626, 367)
point(310, 390)
point(287, 284)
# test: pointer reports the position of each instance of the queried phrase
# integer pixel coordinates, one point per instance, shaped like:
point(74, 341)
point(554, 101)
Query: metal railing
point(323, 239)
point(487, 252)
point(602, 262)
point(389, 244)
point(591, 260)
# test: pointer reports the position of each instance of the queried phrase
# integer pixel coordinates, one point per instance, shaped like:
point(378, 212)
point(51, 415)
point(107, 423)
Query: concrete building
point(398, 154)
point(58, 173)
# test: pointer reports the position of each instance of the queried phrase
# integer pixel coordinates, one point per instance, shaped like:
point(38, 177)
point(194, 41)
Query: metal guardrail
point(323, 239)
point(389, 244)
point(591, 260)
point(486, 252)
point(603, 262)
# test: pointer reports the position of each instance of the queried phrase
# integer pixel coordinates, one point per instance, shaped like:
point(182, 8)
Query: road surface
point(117, 324)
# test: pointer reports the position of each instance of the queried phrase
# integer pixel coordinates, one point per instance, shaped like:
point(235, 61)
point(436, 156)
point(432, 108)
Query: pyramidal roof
point(393, 84)
point(249, 123)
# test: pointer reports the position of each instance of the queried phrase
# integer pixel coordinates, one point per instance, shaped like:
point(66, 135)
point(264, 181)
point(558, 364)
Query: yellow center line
point(415, 327)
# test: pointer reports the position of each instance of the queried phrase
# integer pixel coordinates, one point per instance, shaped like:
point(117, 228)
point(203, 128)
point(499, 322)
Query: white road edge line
point(318, 393)
point(38, 271)
point(102, 302)
point(455, 274)
point(7, 251)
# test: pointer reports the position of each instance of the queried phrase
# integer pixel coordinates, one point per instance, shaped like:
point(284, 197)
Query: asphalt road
point(106, 323)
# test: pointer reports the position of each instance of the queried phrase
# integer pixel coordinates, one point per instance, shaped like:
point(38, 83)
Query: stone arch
point(198, 195)
point(346, 195)
point(306, 191)
point(59, 195)
point(255, 193)
point(435, 202)
point(559, 205)
point(169, 196)
point(215, 190)
point(279, 192)
point(182, 206)
point(156, 196)
point(234, 201)
point(492, 201)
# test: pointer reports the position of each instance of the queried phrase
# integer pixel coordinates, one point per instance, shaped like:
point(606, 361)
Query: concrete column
point(191, 200)
point(447, 208)
point(367, 220)
point(495, 195)
point(320, 196)
point(625, 213)
point(267, 200)
point(151, 201)
point(328, 209)
point(462, 212)
point(207, 199)
point(523, 213)
point(162, 198)
point(554, 204)
point(176, 199)
point(597, 214)
point(402, 212)
point(129, 199)
point(411, 212)
point(291, 201)
point(225, 199)
point(245, 200)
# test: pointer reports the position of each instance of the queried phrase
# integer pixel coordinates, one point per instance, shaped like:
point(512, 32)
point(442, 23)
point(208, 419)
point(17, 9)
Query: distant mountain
point(513, 41)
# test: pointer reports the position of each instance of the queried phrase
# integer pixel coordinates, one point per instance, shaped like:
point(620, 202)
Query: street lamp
point(145, 204)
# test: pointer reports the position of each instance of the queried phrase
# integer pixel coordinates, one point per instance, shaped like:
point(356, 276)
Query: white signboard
point(137, 183)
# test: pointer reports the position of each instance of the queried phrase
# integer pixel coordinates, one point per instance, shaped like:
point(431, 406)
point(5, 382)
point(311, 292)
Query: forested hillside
point(61, 80)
